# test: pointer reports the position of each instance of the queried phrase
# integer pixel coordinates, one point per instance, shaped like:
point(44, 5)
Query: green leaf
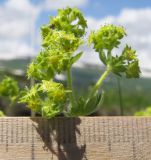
point(129, 54)
point(50, 72)
point(103, 57)
point(133, 70)
point(118, 69)
point(78, 110)
point(45, 30)
point(93, 104)
point(75, 58)
point(50, 111)
point(100, 99)
point(86, 107)
point(32, 98)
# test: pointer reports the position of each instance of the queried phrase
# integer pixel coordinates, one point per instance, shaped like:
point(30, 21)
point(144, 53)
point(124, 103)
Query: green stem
point(110, 56)
point(32, 82)
point(100, 82)
point(69, 82)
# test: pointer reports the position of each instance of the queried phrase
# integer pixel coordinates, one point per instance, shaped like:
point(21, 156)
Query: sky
point(20, 22)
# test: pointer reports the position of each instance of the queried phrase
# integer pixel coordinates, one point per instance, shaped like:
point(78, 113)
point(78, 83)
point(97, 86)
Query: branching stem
point(100, 82)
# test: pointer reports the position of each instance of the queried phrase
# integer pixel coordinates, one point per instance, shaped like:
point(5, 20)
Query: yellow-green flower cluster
point(61, 37)
point(105, 40)
point(45, 96)
point(69, 20)
point(107, 37)
point(129, 54)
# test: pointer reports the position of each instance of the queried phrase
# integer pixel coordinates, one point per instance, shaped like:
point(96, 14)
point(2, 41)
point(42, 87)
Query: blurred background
point(20, 22)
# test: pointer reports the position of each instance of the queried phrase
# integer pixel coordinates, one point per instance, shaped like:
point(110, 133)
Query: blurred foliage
point(9, 89)
point(146, 112)
point(2, 114)
point(9, 92)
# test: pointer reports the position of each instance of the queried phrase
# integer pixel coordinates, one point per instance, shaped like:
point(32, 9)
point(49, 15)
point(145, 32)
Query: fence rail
point(84, 138)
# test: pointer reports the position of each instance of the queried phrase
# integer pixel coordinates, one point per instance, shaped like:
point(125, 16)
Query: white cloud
point(55, 4)
point(12, 49)
point(137, 23)
point(14, 29)
point(16, 18)
point(23, 7)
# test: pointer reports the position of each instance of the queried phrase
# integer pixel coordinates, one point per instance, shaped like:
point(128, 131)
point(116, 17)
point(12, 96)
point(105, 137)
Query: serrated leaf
point(77, 110)
point(93, 104)
point(86, 107)
point(117, 69)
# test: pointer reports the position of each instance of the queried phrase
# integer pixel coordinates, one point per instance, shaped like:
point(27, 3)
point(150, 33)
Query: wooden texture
point(85, 138)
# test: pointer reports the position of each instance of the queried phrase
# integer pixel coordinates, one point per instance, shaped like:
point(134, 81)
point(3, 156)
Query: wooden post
point(84, 138)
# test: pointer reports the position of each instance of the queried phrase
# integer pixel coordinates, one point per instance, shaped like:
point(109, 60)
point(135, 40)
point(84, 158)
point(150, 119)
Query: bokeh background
point(20, 22)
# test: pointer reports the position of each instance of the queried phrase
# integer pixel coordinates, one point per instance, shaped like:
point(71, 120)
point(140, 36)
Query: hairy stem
point(69, 83)
point(100, 82)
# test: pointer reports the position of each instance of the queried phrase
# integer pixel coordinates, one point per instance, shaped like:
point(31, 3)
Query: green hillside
point(15, 63)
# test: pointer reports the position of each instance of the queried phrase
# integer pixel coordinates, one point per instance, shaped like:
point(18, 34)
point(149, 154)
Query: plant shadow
point(59, 136)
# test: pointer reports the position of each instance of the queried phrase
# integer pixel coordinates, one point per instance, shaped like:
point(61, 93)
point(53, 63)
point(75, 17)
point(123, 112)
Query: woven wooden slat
point(84, 138)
